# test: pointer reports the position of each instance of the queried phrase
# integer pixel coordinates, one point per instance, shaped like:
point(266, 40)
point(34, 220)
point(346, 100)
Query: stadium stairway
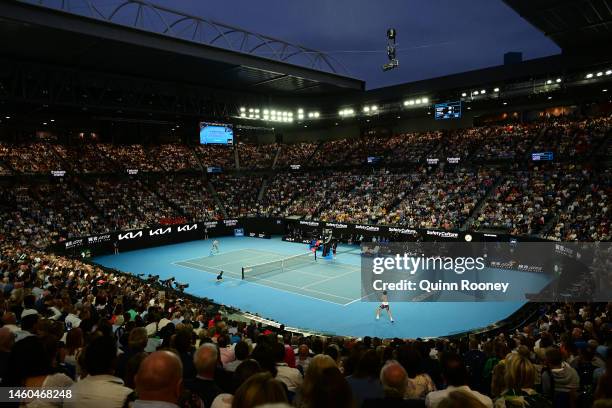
point(276, 156)
point(236, 158)
point(213, 193)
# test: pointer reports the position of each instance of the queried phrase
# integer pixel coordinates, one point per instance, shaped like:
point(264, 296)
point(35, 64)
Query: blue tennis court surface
point(324, 295)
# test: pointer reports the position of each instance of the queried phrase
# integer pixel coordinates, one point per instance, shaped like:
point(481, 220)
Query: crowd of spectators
point(128, 203)
point(174, 157)
point(256, 156)
point(295, 153)
point(442, 199)
point(238, 193)
point(85, 158)
point(526, 200)
point(111, 340)
point(587, 217)
point(30, 158)
point(190, 194)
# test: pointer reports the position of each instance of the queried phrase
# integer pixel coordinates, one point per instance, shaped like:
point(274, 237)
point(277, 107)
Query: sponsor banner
point(74, 243)
point(124, 236)
point(98, 239)
point(462, 271)
point(259, 235)
point(336, 225)
point(300, 240)
point(160, 231)
point(370, 228)
point(230, 223)
point(58, 173)
point(187, 227)
point(405, 231)
point(443, 234)
point(310, 223)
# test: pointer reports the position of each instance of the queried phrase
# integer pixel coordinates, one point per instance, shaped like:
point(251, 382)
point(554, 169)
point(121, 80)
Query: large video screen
point(216, 133)
point(448, 110)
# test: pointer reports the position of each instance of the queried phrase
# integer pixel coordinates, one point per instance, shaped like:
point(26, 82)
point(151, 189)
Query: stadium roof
point(120, 41)
point(577, 26)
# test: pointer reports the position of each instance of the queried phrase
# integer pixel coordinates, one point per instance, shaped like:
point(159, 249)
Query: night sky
point(435, 37)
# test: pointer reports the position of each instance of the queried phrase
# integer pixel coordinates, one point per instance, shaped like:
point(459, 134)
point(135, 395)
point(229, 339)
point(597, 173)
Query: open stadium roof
point(166, 45)
point(577, 26)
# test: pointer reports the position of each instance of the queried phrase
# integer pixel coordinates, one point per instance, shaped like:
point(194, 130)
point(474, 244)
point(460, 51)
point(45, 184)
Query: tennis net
point(279, 265)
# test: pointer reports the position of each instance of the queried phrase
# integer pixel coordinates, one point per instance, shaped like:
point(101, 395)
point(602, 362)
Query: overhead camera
point(167, 282)
point(391, 52)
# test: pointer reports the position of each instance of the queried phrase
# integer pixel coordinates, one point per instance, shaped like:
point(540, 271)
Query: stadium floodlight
point(366, 109)
point(549, 98)
point(505, 103)
point(496, 90)
point(604, 90)
point(7, 117)
point(418, 101)
point(242, 109)
point(242, 114)
point(300, 110)
point(475, 93)
point(464, 94)
point(316, 114)
point(599, 73)
point(250, 110)
point(549, 82)
point(424, 100)
point(558, 80)
point(374, 108)
point(608, 72)
point(265, 111)
point(482, 92)
point(589, 76)
point(53, 120)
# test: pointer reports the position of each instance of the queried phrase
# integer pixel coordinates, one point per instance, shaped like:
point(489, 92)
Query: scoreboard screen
point(216, 133)
point(448, 110)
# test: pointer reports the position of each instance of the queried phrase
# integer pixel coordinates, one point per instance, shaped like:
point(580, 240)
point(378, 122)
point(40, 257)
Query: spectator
point(316, 367)
point(461, 399)
point(333, 391)
point(560, 381)
point(259, 389)
point(365, 381)
point(31, 364)
point(241, 351)
point(137, 341)
point(159, 380)
point(100, 389)
point(456, 377)
point(394, 379)
point(204, 385)
point(244, 371)
point(520, 385)
point(291, 377)
point(7, 340)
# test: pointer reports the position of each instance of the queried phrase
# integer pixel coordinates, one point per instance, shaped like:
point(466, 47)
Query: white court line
point(327, 279)
point(358, 299)
point(282, 290)
point(214, 266)
point(204, 257)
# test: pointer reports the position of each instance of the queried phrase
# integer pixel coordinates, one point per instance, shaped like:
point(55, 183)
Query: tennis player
point(384, 305)
point(214, 249)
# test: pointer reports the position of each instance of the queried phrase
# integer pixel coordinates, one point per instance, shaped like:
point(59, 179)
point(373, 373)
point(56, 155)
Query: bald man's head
point(7, 339)
point(160, 377)
point(205, 360)
point(394, 378)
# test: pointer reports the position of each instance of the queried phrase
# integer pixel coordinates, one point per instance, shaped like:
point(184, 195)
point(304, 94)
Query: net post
point(242, 271)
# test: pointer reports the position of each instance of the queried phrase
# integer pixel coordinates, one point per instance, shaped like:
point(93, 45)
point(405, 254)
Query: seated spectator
point(244, 371)
point(333, 391)
point(365, 381)
point(560, 381)
point(226, 352)
point(303, 357)
point(7, 340)
point(305, 394)
point(520, 385)
point(291, 377)
point(241, 351)
point(31, 364)
point(394, 379)
point(604, 382)
point(260, 389)
point(100, 389)
point(137, 341)
point(461, 399)
point(419, 383)
point(456, 377)
point(159, 380)
point(204, 385)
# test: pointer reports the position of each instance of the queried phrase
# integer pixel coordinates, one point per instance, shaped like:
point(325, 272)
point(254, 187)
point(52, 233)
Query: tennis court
point(325, 296)
point(322, 279)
